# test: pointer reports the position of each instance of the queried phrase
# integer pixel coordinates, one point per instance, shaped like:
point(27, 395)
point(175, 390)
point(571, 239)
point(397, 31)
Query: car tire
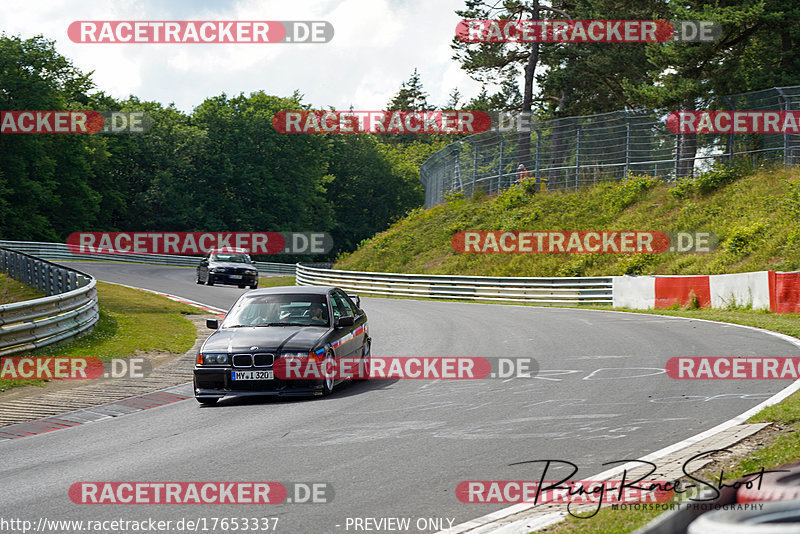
point(366, 362)
point(197, 279)
point(254, 286)
point(210, 280)
point(328, 383)
point(207, 401)
point(242, 286)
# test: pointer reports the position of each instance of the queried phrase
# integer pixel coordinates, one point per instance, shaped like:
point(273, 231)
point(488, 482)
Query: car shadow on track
point(347, 389)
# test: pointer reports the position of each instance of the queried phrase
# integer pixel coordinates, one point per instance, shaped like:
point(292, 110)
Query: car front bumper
point(217, 382)
point(225, 278)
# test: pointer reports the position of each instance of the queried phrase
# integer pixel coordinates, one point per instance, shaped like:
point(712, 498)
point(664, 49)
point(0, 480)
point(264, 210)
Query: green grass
point(275, 281)
point(756, 217)
point(130, 321)
point(13, 291)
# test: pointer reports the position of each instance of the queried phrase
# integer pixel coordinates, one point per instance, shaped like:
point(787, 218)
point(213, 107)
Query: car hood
point(265, 338)
point(231, 264)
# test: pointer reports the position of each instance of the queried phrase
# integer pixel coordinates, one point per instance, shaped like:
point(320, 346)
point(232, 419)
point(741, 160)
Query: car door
point(360, 332)
point(347, 346)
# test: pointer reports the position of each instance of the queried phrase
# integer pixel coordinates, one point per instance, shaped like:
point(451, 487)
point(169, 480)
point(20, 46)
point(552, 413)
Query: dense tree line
point(221, 167)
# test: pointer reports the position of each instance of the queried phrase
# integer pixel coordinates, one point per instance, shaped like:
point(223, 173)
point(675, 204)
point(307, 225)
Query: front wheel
point(328, 372)
point(254, 286)
point(197, 279)
point(210, 280)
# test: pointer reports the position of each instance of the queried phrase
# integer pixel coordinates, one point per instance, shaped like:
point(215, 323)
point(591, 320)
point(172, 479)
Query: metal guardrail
point(69, 310)
point(559, 290)
point(59, 251)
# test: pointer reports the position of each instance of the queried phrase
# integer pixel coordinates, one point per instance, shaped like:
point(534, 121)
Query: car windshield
point(232, 258)
point(278, 310)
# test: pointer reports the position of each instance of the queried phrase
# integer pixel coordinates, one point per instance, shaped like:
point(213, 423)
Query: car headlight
point(296, 354)
point(251, 272)
point(212, 270)
point(212, 359)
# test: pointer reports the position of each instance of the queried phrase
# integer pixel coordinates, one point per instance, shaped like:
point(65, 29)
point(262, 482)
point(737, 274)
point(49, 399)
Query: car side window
point(342, 304)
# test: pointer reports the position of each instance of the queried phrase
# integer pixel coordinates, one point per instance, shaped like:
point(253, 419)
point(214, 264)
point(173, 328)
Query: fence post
point(627, 146)
point(474, 165)
point(578, 156)
point(729, 139)
point(678, 155)
point(786, 105)
point(537, 163)
point(500, 169)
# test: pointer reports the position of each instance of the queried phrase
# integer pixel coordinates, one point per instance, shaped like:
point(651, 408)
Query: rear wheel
point(254, 286)
point(366, 362)
point(242, 286)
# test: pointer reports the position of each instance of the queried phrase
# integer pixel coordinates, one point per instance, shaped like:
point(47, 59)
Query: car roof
point(292, 290)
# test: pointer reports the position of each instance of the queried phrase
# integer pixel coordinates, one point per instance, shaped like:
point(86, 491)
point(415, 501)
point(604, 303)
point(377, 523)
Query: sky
point(377, 44)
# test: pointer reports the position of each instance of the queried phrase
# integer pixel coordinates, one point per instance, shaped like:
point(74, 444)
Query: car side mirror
point(213, 324)
point(345, 320)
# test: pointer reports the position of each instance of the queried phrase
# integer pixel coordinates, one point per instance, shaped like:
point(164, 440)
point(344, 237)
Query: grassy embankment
point(755, 218)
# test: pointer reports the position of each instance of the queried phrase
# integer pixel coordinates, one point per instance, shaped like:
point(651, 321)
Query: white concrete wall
point(636, 292)
point(740, 289)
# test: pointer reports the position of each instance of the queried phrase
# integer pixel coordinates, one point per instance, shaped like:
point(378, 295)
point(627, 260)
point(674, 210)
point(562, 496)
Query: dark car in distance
point(232, 268)
point(269, 327)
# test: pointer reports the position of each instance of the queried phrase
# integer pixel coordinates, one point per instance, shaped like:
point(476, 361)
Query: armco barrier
point(59, 251)
point(779, 292)
point(560, 290)
point(69, 309)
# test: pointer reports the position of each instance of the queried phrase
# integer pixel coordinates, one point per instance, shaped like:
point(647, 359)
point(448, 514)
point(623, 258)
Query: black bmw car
point(227, 268)
point(267, 328)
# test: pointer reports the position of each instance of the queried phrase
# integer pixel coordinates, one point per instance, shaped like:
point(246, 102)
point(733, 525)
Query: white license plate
point(251, 375)
point(236, 277)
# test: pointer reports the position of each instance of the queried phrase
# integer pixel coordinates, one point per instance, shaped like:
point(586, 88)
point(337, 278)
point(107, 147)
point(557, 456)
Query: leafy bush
point(629, 190)
point(791, 202)
point(706, 182)
point(742, 238)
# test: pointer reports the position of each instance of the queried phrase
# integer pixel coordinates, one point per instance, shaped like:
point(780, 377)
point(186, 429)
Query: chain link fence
point(568, 153)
